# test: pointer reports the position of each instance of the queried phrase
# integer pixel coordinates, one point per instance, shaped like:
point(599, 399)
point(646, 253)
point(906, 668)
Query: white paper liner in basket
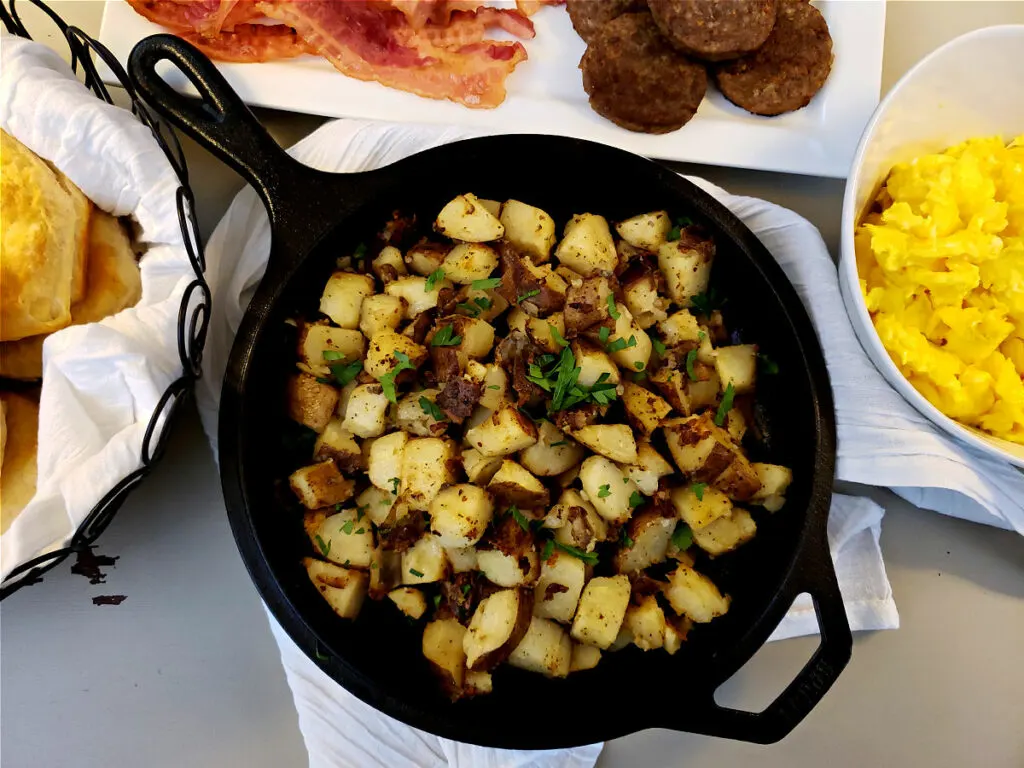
point(101, 382)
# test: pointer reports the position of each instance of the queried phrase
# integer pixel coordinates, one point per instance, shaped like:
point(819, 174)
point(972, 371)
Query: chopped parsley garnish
point(701, 335)
point(348, 526)
point(682, 536)
point(603, 335)
point(617, 345)
point(768, 366)
point(394, 481)
point(360, 252)
point(640, 376)
point(322, 380)
point(635, 499)
point(706, 303)
point(691, 358)
point(418, 575)
point(659, 348)
point(361, 511)
point(557, 336)
point(626, 541)
point(726, 405)
point(527, 295)
point(437, 598)
point(330, 355)
point(638, 364)
point(681, 223)
point(485, 285)
point(559, 375)
point(468, 308)
point(325, 547)
point(698, 490)
point(446, 337)
point(549, 548)
point(520, 518)
point(465, 589)
point(347, 561)
point(430, 408)
point(387, 381)
point(360, 532)
point(493, 386)
point(558, 443)
point(590, 558)
point(433, 278)
point(612, 310)
point(625, 481)
point(342, 372)
point(604, 491)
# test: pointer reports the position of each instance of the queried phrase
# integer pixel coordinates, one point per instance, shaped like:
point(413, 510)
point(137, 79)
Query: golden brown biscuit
point(83, 215)
point(37, 245)
point(18, 472)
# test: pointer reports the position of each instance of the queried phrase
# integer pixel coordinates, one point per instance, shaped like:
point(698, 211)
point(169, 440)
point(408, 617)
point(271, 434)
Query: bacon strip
point(205, 17)
point(250, 43)
point(468, 27)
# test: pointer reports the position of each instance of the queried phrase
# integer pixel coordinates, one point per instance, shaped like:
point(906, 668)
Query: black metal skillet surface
point(317, 216)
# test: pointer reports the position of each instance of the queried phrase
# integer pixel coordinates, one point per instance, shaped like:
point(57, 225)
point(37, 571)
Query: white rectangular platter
point(545, 95)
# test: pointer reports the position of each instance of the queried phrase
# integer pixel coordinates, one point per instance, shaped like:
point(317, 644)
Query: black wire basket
point(193, 314)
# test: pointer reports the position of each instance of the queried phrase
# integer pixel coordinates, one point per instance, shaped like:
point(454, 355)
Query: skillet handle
point(302, 202)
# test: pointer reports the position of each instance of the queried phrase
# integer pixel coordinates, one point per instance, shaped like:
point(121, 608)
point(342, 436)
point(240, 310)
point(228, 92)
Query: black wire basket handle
point(193, 314)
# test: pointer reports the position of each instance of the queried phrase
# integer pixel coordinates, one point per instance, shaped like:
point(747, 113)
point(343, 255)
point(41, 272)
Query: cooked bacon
point(251, 43)
point(468, 27)
point(204, 17)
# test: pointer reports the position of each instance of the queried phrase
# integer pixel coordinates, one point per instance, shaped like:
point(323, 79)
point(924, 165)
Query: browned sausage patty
point(786, 72)
point(588, 16)
point(637, 80)
point(715, 30)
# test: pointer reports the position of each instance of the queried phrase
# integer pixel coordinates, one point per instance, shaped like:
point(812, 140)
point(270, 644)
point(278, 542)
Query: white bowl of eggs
point(932, 254)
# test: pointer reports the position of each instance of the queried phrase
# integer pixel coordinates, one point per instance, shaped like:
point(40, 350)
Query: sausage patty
point(637, 80)
point(588, 16)
point(786, 72)
point(715, 30)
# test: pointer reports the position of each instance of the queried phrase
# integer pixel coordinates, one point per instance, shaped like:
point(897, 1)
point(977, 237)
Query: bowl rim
point(849, 281)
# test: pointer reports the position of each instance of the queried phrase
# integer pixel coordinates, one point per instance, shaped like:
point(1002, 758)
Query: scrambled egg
point(941, 262)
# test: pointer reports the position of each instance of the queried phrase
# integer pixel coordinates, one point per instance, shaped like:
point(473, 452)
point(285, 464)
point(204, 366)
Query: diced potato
point(337, 443)
point(343, 296)
point(504, 569)
point(529, 229)
point(343, 589)
point(467, 262)
point(615, 441)
point(644, 408)
point(317, 338)
point(584, 657)
point(593, 362)
point(698, 512)
point(343, 397)
point(622, 639)
point(673, 639)
point(502, 433)
point(559, 587)
point(602, 482)
point(483, 304)
point(650, 533)
point(694, 595)
point(381, 313)
point(477, 335)
point(462, 559)
point(553, 453)
point(646, 622)
point(643, 301)
point(465, 218)
point(376, 503)
point(426, 257)
point(515, 485)
point(493, 206)
point(385, 572)
point(320, 485)
point(425, 561)
point(411, 417)
point(698, 447)
point(479, 469)
point(346, 538)
point(705, 392)
point(389, 258)
point(637, 352)
point(576, 522)
point(735, 425)
point(460, 514)
point(738, 481)
point(686, 264)
point(311, 402)
point(680, 327)
point(517, 320)
point(650, 467)
point(726, 533)
point(674, 385)
point(495, 387)
point(442, 646)
point(774, 479)
point(426, 468)
point(385, 461)
point(497, 626)
point(409, 600)
point(545, 648)
point(380, 356)
point(413, 290)
point(737, 365)
point(647, 231)
point(587, 246)
point(540, 333)
point(601, 610)
point(366, 413)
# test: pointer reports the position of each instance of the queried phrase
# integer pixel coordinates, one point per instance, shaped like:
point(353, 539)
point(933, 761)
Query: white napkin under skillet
point(882, 441)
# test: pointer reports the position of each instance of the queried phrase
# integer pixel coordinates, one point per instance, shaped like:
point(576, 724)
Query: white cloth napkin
point(102, 381)
point(339, 729)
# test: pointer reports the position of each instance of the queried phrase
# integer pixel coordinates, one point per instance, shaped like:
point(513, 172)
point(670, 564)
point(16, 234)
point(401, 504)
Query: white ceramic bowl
point(970, 87)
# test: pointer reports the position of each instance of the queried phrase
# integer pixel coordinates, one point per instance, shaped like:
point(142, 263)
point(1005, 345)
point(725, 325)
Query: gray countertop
point(185, 672)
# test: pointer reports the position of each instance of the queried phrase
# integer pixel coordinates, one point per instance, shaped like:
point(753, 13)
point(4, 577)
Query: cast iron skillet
point(315, 217)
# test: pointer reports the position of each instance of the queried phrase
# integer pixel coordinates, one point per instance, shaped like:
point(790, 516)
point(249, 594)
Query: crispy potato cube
point(337, 443)
point(380, 313)
point(442, 647)
point(380, 356)
point(738, 481)
point(552, 454)
point(774, 479)
point(483, 304)
point(576, 522)
point(584, 657)
point(501, 568)
point(686, 264)
point(637, 353)
point(737, 365)
point(545, 648)
point(494, 386)
point(493, 207)
point(514, 485)
point(409, 600)
point(311, 402)
point(389, 264)
point(559, 587)
point(346, 539)
point(502, 433)
point(726, 533)
point(651, 534)
point(539, 329)
point(587, 246)
point(339, 344)
point(586, 303)
point(694, 595)
point(614, 441)
point(343, 296)
point(479, 469)
point(425, 561)
point(643, 301)
point(674, 385)
point(366, 413)
point(320, 485)
point(601, 610)
point(465, 218)
point(343, 589)
point(602, 482)
point(376, 503)
point(462, 559)
point(427, 465)
point(699, 447)
point(460, 514)
point(413, 291)
point(426, 257)
point(644, 409)
point(497, 626)
point(529, 229)
point(647, 231)
point(412, 418)
point(385, 461)
point(698, 512)
point(646, 622)
point(679, 327)
point(477, 335)
point(593, 362)
point(467, 262)
point(674, 637)
point(343, 397)
point(650, 467)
